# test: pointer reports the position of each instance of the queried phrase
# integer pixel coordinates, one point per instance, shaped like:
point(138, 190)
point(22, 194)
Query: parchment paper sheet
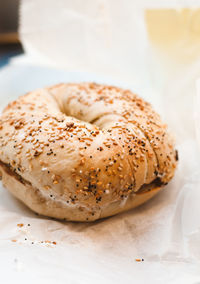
point(165, 232)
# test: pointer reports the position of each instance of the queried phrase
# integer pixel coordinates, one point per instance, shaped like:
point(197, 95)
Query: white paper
point(107, 37)
point(165, 232)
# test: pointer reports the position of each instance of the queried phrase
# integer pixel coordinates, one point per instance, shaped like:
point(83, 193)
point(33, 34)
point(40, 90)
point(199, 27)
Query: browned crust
point(26, 193)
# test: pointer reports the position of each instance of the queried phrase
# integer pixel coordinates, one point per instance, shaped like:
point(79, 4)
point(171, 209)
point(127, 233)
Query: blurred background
point(9, 37)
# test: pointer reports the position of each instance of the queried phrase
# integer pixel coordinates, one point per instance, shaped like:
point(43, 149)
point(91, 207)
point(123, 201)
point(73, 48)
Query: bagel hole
point(113, 119)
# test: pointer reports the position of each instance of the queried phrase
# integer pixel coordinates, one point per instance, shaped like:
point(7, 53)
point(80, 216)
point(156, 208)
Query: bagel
point(85, 151)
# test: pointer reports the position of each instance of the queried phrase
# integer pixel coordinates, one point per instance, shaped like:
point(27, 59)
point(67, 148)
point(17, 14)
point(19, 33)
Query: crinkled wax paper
point(114, 42)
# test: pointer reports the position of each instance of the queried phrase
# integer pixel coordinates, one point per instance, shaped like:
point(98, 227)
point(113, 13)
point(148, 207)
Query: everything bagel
point(84, 151)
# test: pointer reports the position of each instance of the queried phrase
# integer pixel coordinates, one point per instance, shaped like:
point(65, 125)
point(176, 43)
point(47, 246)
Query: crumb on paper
point(139, 259)
point(39, 242)
point(50, 242)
